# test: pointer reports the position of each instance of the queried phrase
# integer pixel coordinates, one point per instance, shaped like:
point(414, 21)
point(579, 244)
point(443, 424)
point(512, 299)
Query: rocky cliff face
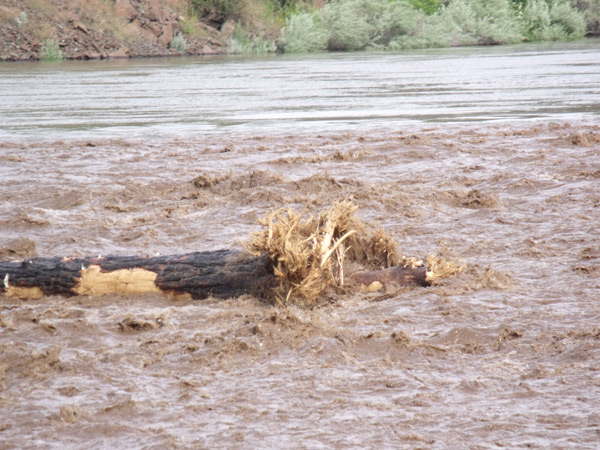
point(100, 29)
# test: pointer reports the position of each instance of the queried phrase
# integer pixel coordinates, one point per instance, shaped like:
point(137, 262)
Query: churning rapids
point(491, 156)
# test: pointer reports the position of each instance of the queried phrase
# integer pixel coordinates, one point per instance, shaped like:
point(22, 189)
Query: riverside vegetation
point(381, 24)
point(344, 25)
point(71, 29)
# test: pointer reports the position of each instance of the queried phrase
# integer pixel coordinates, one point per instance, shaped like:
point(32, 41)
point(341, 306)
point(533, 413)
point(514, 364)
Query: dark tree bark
point(221, 274)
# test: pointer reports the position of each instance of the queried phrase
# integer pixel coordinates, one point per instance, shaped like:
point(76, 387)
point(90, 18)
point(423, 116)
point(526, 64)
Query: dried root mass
point(439, 267)
point(308, 252)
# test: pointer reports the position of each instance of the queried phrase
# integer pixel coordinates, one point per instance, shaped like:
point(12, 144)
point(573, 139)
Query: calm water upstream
point(487, 156)
point(180, 97)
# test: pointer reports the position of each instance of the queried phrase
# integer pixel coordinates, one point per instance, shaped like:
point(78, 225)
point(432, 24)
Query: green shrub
point(348, 25)
point(223, 8)
point(189, 25)
point(178, 43)
point(427, 6)
point(21, 19)
point(473, 22)
point(361, 24)
point(289, 7)
point(568, 20)
point(557, 21)
point(244, 44)
point(535, 20)
point(459, 22)
point(304, 33)
point(398, 19)
point(399, 24)
point(591, 12)
point(50, 51)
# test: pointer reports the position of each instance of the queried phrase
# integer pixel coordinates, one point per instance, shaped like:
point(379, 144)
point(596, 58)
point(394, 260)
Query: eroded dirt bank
point(504, 355)
point(99, 29)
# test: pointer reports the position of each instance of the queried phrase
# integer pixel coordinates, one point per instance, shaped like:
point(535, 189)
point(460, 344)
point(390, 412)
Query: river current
point(322, 93)
point(487, 156)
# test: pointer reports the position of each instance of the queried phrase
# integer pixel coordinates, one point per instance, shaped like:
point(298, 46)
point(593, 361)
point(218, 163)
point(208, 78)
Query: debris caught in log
point(295, 258)
point(310, 253)
point(220, 274)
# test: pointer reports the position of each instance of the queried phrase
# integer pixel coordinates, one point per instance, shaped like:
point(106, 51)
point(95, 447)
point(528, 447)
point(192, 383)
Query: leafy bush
point(244, 44)
point(591, 12)
point(223, 8)
point(438, 30)
point(571, 22)
point(178, 43)
point(189, 25)
point(50, 51)
point(304, 33)
point(557, 21)
point(535, 20)
point(360, 24)
point(427, 6)
point(289, 7)
point(348, 24)
point(485, 22)
point(397, 19)
point(21, 19)
point(398, 24)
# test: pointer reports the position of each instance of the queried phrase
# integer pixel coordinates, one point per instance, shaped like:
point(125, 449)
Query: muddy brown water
point(505, 355)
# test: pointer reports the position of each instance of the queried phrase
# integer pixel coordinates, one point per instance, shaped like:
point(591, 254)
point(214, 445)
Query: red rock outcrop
point(95, 30)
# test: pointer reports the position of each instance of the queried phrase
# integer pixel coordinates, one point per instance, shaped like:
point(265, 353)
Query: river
point(487, 156)
point(328, 92)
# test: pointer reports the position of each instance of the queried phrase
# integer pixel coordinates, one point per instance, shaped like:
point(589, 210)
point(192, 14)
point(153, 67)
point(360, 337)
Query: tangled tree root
point(309, 252)
point(439, 267)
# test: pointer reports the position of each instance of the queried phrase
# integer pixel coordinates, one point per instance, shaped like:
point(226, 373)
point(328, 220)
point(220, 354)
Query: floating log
point(221, 274)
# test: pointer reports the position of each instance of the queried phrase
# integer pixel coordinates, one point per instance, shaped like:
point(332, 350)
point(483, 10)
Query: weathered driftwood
point(221, 274)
